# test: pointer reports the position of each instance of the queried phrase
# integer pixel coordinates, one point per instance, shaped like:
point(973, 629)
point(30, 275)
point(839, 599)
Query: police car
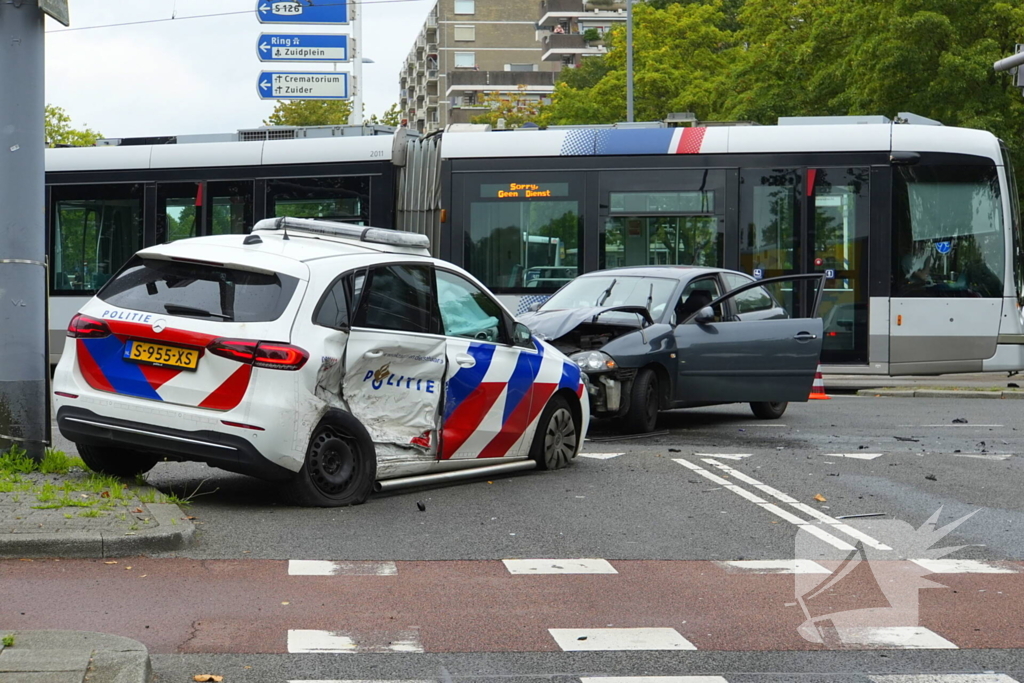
point(336, 358)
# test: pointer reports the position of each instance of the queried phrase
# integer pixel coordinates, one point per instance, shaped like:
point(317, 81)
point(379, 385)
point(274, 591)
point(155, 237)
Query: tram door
point(812, 220)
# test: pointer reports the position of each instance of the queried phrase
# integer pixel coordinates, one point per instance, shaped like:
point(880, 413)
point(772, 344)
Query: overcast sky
point(197, 75)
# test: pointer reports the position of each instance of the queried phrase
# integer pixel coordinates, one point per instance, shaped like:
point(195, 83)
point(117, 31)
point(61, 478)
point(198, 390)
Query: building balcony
point(559, 45)
point(431, 21)
point(555, 12)
point(534, 82)
point(431, 75)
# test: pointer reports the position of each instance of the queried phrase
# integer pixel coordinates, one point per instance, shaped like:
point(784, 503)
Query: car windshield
point(610, 290)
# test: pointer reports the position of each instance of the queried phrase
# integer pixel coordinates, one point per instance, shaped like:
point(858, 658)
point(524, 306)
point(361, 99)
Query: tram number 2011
point(377, 154)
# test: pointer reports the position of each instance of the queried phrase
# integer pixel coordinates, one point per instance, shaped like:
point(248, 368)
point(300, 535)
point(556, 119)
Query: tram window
point(344, 199)
point(523, 231)
point(949, 236)
point(96, 229)
point(230, 206)
point(662, 240)
point(769, 220)
point(178, 211)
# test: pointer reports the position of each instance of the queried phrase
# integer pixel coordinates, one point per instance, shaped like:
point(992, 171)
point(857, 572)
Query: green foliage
point(310, 113)
point(8, 640)
point(516, 108)
point(392, 117)
point(682, 55)
point(60, 132)
point(16, 461)
point(591, 35)
point(58, 462)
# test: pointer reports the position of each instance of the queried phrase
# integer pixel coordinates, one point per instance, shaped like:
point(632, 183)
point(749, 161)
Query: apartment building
point(470, 48)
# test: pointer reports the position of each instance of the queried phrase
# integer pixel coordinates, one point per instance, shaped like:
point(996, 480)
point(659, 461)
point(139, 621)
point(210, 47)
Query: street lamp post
point(629, 61)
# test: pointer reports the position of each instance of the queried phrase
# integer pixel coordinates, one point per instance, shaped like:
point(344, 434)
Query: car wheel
point(339, 469)
point(119, 462)
point(769, 411)
point(557, 437)
point(644, 403)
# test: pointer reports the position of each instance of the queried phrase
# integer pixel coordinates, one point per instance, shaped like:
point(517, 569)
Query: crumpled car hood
point(554, 324)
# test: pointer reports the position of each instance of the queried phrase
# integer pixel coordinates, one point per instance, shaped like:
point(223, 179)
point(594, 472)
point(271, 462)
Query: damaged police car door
point(395, 360)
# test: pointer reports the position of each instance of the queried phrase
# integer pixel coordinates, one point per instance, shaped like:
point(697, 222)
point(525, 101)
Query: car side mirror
point(706, 315)
point(521, 335)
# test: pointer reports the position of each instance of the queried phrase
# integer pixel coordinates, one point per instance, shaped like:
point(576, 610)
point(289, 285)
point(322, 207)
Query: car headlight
point(593, 361)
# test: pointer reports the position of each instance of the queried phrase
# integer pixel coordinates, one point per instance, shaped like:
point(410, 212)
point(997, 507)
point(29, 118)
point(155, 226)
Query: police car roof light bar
point(393, 238)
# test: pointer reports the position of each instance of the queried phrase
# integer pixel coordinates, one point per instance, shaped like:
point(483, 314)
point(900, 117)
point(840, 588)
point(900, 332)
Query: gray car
point(662, 337)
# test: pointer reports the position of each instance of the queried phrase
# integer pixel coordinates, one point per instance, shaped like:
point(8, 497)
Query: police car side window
point(399, 297)
point(466, 311)
point(333, 309)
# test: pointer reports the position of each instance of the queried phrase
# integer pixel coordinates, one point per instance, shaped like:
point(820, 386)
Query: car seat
point(698, 299)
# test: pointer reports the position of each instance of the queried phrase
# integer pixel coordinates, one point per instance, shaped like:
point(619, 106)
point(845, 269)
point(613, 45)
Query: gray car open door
point(723, 360)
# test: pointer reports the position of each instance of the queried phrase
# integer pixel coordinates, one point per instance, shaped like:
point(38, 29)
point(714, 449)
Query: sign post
point(303, 85)
point(302, 47)
point(24, 363)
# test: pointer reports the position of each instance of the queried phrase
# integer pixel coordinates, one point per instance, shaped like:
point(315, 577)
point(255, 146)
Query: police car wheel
point(339, 469)
point(768, 411)
point(119, 462)
point(557, 437)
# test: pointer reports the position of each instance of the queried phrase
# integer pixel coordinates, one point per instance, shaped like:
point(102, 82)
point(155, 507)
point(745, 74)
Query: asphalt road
point(668, 513)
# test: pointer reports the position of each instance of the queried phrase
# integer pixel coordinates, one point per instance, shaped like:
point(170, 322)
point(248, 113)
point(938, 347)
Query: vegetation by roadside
point(64, 483)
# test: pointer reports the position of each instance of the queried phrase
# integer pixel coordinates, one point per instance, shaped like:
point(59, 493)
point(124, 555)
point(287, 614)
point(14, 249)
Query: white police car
point(334, 357)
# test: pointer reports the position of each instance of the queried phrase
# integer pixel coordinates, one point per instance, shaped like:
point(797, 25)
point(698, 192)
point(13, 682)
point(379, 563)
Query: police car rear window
point(196, 290)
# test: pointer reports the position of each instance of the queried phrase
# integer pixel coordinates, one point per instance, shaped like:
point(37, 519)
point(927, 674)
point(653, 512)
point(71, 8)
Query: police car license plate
point(159, 354)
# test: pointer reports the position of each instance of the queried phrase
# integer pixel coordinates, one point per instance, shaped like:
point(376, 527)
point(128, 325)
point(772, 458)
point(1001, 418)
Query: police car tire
point(556, 441)
point(643, 403)
point(340, 465)
point(766, 410)
point(118, 462)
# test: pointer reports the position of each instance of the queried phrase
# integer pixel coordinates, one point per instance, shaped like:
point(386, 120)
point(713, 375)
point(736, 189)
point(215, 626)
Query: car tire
point(340, 466)
point(557, 438)
point(118, 462)
point(644, 403)
point(767, 410)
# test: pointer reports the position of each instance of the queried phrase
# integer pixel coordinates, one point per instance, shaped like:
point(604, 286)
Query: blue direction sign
point(302, 11)
point(301, 47)
point(303, 85)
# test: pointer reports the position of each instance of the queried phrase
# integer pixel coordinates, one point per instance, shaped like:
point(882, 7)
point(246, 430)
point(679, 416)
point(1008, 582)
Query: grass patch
point(16, 461)
point(8, 640)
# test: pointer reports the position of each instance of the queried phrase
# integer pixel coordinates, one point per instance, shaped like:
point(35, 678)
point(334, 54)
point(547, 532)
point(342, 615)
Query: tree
point(60, 132)
point(516, 108)
point(392, 117)
point(682, 53)
point(310, 113)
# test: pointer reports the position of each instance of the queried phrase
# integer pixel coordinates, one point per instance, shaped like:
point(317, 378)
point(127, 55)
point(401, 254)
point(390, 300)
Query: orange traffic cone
point(818, 388)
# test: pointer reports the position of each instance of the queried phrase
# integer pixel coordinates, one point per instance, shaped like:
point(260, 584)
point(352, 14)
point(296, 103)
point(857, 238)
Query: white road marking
point(766, 426)
point(609, 639)
point(652, 679)
point(985, 456)
point(327, 568)
point(306, 641)
point(835, 524)
point(854, 456)
point(962, 567)
point(581, 566)
point(770, 507)
point(600, 456)
point(902, 637)
point(777, 566)
point(725, 456)
point(944, 678)
point(363, 680)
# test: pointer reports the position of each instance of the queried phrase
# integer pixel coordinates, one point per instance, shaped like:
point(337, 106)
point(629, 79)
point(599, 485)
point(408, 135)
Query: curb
point(173, 532)
point(940, 393)
point(97, 657)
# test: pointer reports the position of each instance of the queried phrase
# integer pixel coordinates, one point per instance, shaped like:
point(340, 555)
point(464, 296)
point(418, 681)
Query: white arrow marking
point(264, 47)
point(264, 9)
point(264, 85)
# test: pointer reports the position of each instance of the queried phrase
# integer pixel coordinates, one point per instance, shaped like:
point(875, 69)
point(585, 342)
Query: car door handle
point(805, 337)
point(373, 354)
point(465, 360)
